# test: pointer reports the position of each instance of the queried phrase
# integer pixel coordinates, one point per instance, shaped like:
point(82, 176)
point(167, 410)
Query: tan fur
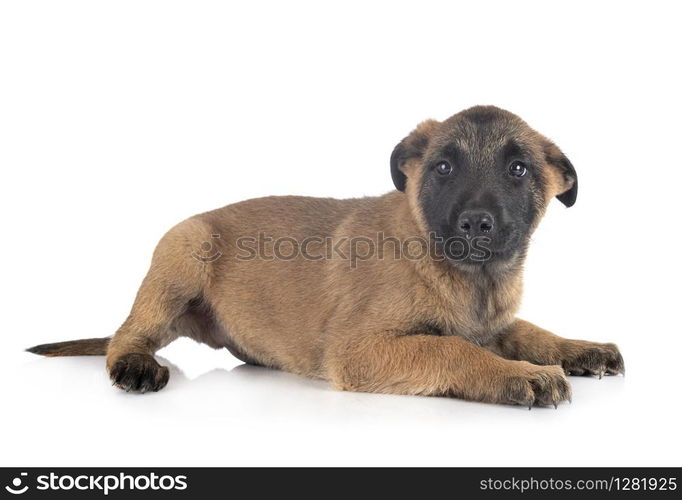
point(368, 328)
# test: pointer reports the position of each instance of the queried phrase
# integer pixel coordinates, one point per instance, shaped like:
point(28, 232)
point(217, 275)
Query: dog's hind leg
point(176, 279)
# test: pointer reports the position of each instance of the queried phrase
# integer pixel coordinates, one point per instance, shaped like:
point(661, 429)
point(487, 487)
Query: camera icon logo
point(16, 488)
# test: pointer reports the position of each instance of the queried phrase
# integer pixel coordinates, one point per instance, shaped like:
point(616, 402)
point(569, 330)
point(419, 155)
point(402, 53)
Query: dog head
point(480, 181)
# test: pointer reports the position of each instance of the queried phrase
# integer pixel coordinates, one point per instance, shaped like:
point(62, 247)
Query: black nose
point(475, 223)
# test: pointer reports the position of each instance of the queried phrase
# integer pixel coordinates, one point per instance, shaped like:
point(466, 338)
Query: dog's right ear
point(563, 166)
point(411, 147)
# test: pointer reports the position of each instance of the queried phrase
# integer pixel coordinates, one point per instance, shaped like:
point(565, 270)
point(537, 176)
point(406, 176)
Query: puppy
point(413, 292)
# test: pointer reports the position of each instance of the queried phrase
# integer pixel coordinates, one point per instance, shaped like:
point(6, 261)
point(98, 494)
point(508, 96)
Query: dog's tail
point(85, 347)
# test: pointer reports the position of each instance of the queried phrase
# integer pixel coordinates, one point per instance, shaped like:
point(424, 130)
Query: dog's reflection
point(243, 374)
point(253, 393)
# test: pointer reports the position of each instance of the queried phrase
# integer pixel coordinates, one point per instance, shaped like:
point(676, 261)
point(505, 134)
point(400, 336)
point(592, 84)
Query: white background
point(119, 119)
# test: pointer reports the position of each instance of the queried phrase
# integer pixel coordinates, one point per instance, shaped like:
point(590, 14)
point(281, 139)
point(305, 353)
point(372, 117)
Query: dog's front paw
point(591, 358)
point(138, 372)
point(534, 385)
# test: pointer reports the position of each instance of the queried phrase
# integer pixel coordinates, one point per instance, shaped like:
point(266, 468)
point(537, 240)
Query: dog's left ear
point(558, 160)
point(411, 147)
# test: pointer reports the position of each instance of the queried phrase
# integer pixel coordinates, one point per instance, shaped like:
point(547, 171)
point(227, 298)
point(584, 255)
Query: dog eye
point(444, 168)
point(517, 169)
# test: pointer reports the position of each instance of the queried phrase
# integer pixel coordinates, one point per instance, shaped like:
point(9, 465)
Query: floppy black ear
point(412, 146)
point(559, 161)
point(397, 161)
